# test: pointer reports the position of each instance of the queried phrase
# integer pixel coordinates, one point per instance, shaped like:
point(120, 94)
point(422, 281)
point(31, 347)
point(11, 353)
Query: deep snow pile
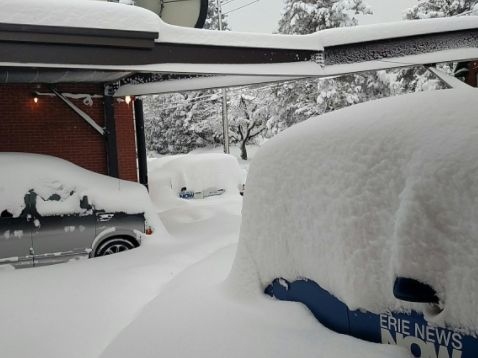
point(79, 13)
point(47, 175)
point(197, 315)
point(195, 172)
point(75, 310)
point(128, 304)
point(356, 197)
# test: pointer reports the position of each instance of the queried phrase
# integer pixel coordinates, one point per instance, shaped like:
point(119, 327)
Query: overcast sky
point(264, 15)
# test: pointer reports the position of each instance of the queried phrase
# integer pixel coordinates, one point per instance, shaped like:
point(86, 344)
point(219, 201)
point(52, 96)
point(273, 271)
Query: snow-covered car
point(52, 211)
point(193, 176)
point(369, 216)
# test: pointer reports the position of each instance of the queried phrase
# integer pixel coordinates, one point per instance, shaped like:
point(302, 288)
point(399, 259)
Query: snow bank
point(357, 197)
point(107, 293)
point(79, 13)
point(212, 323)
point(196, 172)
point(47, 175)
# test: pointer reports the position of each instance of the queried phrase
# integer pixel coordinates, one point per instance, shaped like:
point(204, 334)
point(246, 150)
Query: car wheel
point(114, 246)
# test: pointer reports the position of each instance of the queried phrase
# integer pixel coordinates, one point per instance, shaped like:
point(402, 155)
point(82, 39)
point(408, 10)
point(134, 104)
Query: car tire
point(114, 246)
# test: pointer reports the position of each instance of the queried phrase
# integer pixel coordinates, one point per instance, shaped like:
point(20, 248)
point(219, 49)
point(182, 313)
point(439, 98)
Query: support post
point(141, 142)
point(225, 120)
point(111, 145)
point(472, 74)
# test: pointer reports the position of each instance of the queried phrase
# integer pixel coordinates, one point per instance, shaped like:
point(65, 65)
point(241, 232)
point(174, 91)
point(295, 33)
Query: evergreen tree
point(302, 99)
point(440, 8)
point(307, 16)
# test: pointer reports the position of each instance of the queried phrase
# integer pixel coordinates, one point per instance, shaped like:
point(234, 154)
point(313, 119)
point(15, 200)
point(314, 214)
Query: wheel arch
point(111, 235)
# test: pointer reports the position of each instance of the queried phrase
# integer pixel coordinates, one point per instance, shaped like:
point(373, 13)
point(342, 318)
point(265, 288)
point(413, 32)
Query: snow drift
point(357, 197)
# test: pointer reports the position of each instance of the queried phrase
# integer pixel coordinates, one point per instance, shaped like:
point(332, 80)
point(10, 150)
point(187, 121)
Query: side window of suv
point(6, 214)
point(60, 204)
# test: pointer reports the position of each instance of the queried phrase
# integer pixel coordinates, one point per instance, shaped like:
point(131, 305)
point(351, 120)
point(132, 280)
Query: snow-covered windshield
point(54, 178)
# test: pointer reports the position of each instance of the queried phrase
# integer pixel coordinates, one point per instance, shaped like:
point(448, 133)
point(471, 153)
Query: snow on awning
point(321, 39)
point(183, 35)
point(80, 14)
point(102, 36)
point(228, 76)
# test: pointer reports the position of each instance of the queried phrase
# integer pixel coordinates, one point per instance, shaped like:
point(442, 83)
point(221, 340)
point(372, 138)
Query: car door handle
point(105, 217)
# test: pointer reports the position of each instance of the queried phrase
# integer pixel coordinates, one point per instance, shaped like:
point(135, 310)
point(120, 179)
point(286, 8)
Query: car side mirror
point(411, 290)
point(84, 203)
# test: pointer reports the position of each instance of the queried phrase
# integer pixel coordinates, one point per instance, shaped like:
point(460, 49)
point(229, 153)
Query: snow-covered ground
point(167, 298)
point(77, 309)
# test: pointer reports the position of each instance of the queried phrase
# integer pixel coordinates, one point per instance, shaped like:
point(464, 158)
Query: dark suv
point(33, 240)
point(53, 211)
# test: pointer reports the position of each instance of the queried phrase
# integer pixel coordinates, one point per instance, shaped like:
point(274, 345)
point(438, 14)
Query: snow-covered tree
point(300, 100)
point(249, 115)
point(440, 8)
point(180, 122)
point(212, 19)
point(306, 16)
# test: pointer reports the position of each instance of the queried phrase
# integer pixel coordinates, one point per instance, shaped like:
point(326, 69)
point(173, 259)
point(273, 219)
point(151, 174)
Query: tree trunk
point(243, 150)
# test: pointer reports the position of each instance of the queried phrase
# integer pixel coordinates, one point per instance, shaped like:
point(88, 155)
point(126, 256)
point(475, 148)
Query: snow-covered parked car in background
point(52, 211)
point(193, 176)
point(369, 216)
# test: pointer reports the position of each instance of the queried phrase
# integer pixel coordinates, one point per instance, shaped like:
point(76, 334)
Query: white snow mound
point(357, 197)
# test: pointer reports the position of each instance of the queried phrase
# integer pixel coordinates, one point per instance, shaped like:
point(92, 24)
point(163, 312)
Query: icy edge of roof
point(316, 41)
point(79, 13)
point(376, 32)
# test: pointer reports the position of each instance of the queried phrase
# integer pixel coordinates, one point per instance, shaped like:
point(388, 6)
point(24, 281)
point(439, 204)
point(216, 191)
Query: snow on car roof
point(79, 13)
point(354, 198)
point(47, 175)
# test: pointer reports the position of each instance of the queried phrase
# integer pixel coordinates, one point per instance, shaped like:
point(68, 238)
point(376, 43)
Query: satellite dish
point(189, 13)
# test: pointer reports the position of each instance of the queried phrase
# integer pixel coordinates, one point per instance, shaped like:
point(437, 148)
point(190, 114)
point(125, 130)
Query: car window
point(60, 204)
point(6, 214)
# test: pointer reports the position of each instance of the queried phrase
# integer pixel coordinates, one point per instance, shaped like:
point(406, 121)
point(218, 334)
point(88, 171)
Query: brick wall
point(126, 141)
point(50, 127)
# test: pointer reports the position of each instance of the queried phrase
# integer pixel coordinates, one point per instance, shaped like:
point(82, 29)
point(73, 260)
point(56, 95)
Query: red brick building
point(60, 66)
point(34, 120)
